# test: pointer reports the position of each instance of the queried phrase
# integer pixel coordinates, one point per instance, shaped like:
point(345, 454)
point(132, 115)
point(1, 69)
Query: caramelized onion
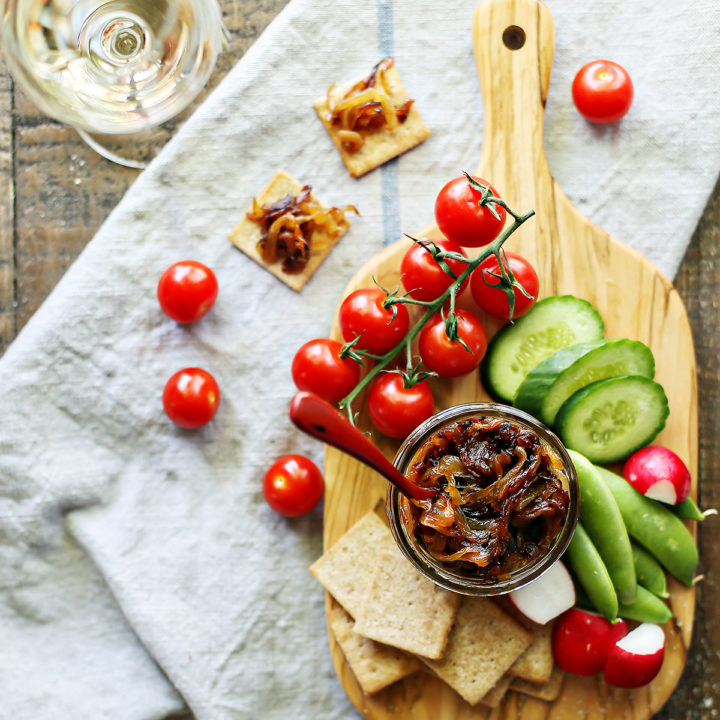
point(366, 107)
point(294, 225)
point(498, 513)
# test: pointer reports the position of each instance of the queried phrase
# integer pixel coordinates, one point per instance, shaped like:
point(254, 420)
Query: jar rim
point(443, 575)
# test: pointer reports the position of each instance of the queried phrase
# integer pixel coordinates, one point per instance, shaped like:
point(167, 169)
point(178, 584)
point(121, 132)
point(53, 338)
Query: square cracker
point(383, 144)
point(484, 643)
point(247, 233)
point(345, 570)
point(549, 691)
point(375, 665)
point(536, 663)
point(493, 697)
point(404, 609)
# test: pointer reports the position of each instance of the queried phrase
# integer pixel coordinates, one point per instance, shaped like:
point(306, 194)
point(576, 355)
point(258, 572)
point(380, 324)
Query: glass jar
point(442, 574)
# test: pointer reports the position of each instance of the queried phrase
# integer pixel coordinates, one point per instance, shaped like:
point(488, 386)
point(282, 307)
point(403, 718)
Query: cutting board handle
point(514, 43)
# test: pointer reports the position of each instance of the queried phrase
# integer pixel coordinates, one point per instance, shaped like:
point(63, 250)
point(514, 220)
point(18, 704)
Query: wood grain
point(698, 282)
point(572, 256)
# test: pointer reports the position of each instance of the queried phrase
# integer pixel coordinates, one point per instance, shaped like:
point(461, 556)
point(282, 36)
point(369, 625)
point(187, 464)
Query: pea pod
point(649, 573)
point(688, 510)
point(646, 607)
point(603, 521)
point(655, 527)
point(592, 574)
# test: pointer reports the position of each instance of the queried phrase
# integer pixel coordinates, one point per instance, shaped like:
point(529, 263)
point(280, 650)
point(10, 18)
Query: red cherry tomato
point(423, 277)
point(187, 290)
point(494, 300)
point(460, 217)
point(363, 310)
point(582, 641)
point(293, 485)
point(318, 368)
point(396, 410)
point(451, 359)
point(602, 91)
point(191, 398)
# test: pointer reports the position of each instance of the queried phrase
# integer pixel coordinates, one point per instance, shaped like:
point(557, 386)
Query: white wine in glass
point(111, 66)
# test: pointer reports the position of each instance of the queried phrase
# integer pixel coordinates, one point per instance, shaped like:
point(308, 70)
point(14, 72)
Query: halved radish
point(658, 473)
point(637, 658)
point(582, 641)
point(547, 596)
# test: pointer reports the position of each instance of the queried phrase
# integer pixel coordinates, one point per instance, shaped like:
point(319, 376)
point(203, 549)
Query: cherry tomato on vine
point(462, 219)
point(493, 300)
point(191, 398)
point(317, 367)
point(396, 410)
point(450, 358)
point(602, 91)
point(293, 485)
point(422, 275)
point(363, 310)
point(187, 290)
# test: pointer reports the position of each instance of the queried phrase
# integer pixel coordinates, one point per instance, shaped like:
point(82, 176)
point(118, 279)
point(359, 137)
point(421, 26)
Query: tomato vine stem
point(507, 281)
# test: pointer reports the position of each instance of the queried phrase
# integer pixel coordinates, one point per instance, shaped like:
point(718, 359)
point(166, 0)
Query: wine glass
point(111, 67)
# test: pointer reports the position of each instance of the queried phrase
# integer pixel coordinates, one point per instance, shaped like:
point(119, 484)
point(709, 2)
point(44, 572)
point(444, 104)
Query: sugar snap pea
point(603, 521)
point(688, 510)
point(655, 527)
point(592, 573)
point(649, 573)
point(646, 607)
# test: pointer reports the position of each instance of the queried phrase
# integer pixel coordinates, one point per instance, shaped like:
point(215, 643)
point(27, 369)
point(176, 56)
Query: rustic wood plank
point(698, 281)
point(7, 200)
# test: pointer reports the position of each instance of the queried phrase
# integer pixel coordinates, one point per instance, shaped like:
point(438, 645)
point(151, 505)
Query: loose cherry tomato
point(293, 485)
point(318, 368)
point(423, 277)
point(493, 300)
point(602, 91)
point(462, 219)
point(396, 410)
point(187, 290)
point(191, 398)
point(363, 310)
point(451, 359)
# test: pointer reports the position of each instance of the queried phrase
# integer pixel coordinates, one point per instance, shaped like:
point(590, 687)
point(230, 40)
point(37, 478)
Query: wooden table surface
point(55, 192)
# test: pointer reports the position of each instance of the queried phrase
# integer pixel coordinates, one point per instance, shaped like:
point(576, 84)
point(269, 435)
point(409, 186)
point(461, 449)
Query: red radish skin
point(637, 658)
point(582, 641)
point(658, 473)
point(546, 597)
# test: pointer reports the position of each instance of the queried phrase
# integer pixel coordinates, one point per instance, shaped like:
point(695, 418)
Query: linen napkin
point(212, 581)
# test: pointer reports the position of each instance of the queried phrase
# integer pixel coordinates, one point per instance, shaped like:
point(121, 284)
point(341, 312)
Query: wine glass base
point(133, 151)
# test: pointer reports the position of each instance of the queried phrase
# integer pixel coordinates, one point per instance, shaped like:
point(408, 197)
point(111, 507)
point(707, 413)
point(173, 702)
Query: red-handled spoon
point(321, 420)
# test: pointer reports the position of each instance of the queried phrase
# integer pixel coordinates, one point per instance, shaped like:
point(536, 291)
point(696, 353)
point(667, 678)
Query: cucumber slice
point(612, 359)
point(609, 419)
point(554, 323)
point(534, 387)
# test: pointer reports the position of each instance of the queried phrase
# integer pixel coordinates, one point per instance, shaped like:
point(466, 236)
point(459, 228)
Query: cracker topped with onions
point(289, 231)
point(371, 119)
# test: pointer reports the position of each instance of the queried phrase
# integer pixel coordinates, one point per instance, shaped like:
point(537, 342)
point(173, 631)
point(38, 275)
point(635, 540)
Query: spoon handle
point(321, 420)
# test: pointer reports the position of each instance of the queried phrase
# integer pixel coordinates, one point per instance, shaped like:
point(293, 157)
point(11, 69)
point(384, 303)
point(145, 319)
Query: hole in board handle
point(513, 37)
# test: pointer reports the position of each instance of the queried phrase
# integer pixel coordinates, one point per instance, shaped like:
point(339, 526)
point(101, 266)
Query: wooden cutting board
point(571, 255)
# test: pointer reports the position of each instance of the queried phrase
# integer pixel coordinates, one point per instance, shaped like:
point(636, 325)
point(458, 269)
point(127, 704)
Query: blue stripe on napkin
point(389, 171)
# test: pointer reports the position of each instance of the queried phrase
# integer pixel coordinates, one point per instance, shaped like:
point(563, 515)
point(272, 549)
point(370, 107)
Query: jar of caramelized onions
point(507, 502)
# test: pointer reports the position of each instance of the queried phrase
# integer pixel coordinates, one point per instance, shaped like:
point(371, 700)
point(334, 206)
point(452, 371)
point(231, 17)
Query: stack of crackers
point(390, 621)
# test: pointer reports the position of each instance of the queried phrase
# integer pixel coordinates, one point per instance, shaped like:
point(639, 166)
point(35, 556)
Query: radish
point(547, 596)
point(637, 658)
point(582, 641)
point(658, 473)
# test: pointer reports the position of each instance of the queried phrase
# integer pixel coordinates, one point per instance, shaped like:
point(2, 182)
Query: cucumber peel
point(554, 323)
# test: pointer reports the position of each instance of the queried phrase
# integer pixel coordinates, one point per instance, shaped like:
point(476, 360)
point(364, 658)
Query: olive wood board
point(571, 255)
